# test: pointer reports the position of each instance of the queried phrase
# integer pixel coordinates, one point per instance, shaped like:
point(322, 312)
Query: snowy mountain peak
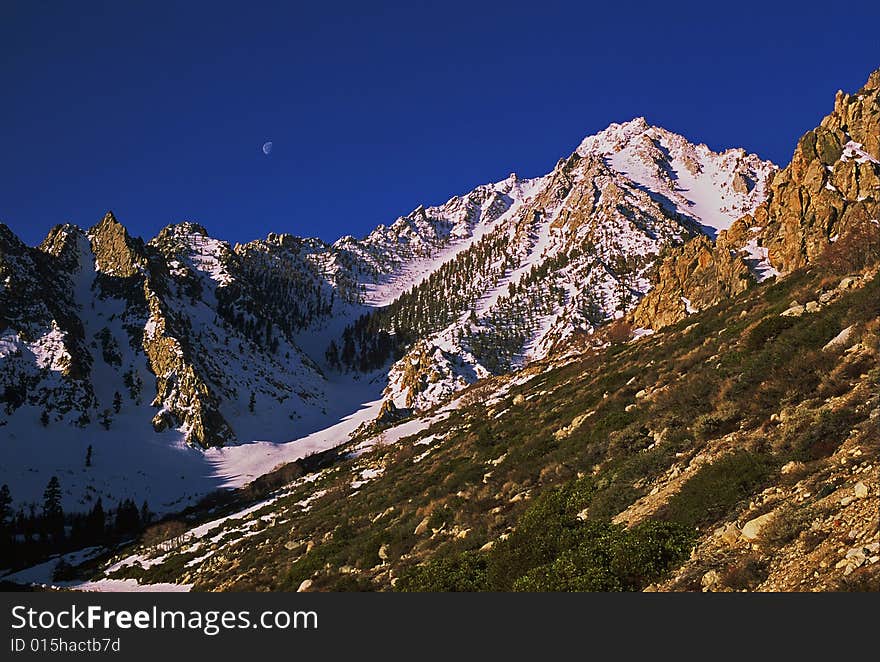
point(613, 138)
point(710, 189)
point(181, 230)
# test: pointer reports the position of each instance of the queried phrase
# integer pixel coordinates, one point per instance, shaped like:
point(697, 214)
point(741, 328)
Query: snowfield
point(132, 461)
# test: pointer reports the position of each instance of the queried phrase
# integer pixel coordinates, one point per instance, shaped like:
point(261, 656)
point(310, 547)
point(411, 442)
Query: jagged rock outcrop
point(182, 332)
point(425, 375)
point(182, 395)
point(691, 278)
point(116, 253)
point(832, 183)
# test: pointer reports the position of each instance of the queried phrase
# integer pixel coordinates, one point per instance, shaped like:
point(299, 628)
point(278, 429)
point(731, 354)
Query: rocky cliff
point(829, 191)
point(831, 185)
point(691, 278)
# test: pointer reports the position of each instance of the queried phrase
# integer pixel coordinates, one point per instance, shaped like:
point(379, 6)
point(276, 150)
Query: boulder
point(710, 579)
point(751, 531)
point(794, 311)
point(421, 528)
point(727, 533)
point(840, 340)
point(791, 467)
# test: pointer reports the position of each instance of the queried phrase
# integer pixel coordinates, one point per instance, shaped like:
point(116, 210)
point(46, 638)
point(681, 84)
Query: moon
point(267, 147)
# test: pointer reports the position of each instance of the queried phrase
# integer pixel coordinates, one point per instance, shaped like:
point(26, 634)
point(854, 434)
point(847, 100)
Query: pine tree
point(96, 521)
point(44, 418)
point(53, 514)
point(128, 518)
point(332, 354)
point(252, 403)
point(89, 456)
point(146, 515)
point(5, 505)
point(117, 401)
point(105, 419)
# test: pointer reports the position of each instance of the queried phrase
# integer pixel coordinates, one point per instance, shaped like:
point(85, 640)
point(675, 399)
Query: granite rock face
point(830, 188)
point(692, 277)
point(832, 183)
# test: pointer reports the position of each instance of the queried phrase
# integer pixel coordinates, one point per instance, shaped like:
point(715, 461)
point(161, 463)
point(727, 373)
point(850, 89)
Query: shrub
point(552, 550)
point(609, 557)
point(634, 437)
point(857, 247)
point(724, 419)
point(167, 535)
point(817, 437)
point(619, 332)
point(613, 499)
point(746, 573)
point(767, 330)
point(460, 573)
point(786, 525)
point(544, 530)
point(716, 488)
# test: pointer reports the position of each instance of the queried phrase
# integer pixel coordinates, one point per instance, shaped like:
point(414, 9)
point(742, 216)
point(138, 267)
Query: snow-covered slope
point(396, 257)
point(713, 189)
point(574, 254)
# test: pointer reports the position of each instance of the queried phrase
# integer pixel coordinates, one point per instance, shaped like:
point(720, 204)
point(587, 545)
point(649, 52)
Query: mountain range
point(187, 339)
point(588, 305)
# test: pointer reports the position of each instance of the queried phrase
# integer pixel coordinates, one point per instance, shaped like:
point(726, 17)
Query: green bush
point(608, 557)
point(552, 550)
point(460, 573)
point(716, 488)
point(545, 529)
point(818, 437)
point(767, 330)
point(613, 499)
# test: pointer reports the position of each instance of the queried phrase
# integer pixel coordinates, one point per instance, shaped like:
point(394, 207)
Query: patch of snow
point(855, 151)
point(758, 261)
point(127, 586)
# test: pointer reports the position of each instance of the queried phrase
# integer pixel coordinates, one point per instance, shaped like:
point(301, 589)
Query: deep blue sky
point(158, 110)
